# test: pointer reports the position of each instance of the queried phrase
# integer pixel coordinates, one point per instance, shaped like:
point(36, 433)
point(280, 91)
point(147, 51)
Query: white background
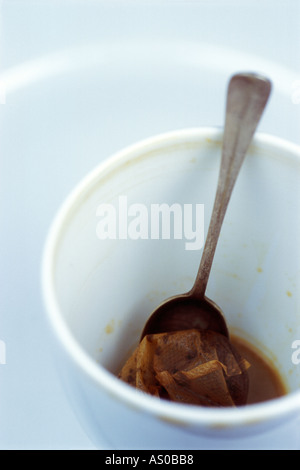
point(80, 80)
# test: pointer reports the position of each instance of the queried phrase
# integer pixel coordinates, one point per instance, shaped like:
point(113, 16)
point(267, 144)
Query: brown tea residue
point(110, 327)
point(265, 382)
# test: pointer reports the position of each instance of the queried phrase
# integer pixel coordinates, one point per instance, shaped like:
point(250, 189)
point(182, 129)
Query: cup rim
point(180, 414)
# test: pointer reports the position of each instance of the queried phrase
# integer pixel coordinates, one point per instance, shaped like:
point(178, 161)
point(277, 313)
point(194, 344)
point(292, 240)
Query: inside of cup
point(107, 288)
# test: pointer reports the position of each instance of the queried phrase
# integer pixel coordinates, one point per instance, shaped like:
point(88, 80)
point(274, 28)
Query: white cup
point(99, 293)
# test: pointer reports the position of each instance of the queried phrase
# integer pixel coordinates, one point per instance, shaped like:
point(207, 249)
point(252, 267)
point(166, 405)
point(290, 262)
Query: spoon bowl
point(247, 96)
point(183, 312)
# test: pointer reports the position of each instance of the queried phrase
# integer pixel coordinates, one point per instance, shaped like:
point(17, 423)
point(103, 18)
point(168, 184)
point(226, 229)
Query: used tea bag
point(198, 367)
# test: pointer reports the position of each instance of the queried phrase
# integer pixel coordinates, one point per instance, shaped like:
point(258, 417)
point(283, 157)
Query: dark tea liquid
point(265, 382)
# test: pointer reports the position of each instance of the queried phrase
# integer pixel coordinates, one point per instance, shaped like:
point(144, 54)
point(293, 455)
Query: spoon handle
point(247, 96)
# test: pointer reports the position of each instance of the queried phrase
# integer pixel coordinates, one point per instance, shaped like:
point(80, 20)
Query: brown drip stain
point(110, 327)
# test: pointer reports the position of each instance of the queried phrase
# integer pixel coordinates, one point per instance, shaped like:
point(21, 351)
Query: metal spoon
point(247, 96)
